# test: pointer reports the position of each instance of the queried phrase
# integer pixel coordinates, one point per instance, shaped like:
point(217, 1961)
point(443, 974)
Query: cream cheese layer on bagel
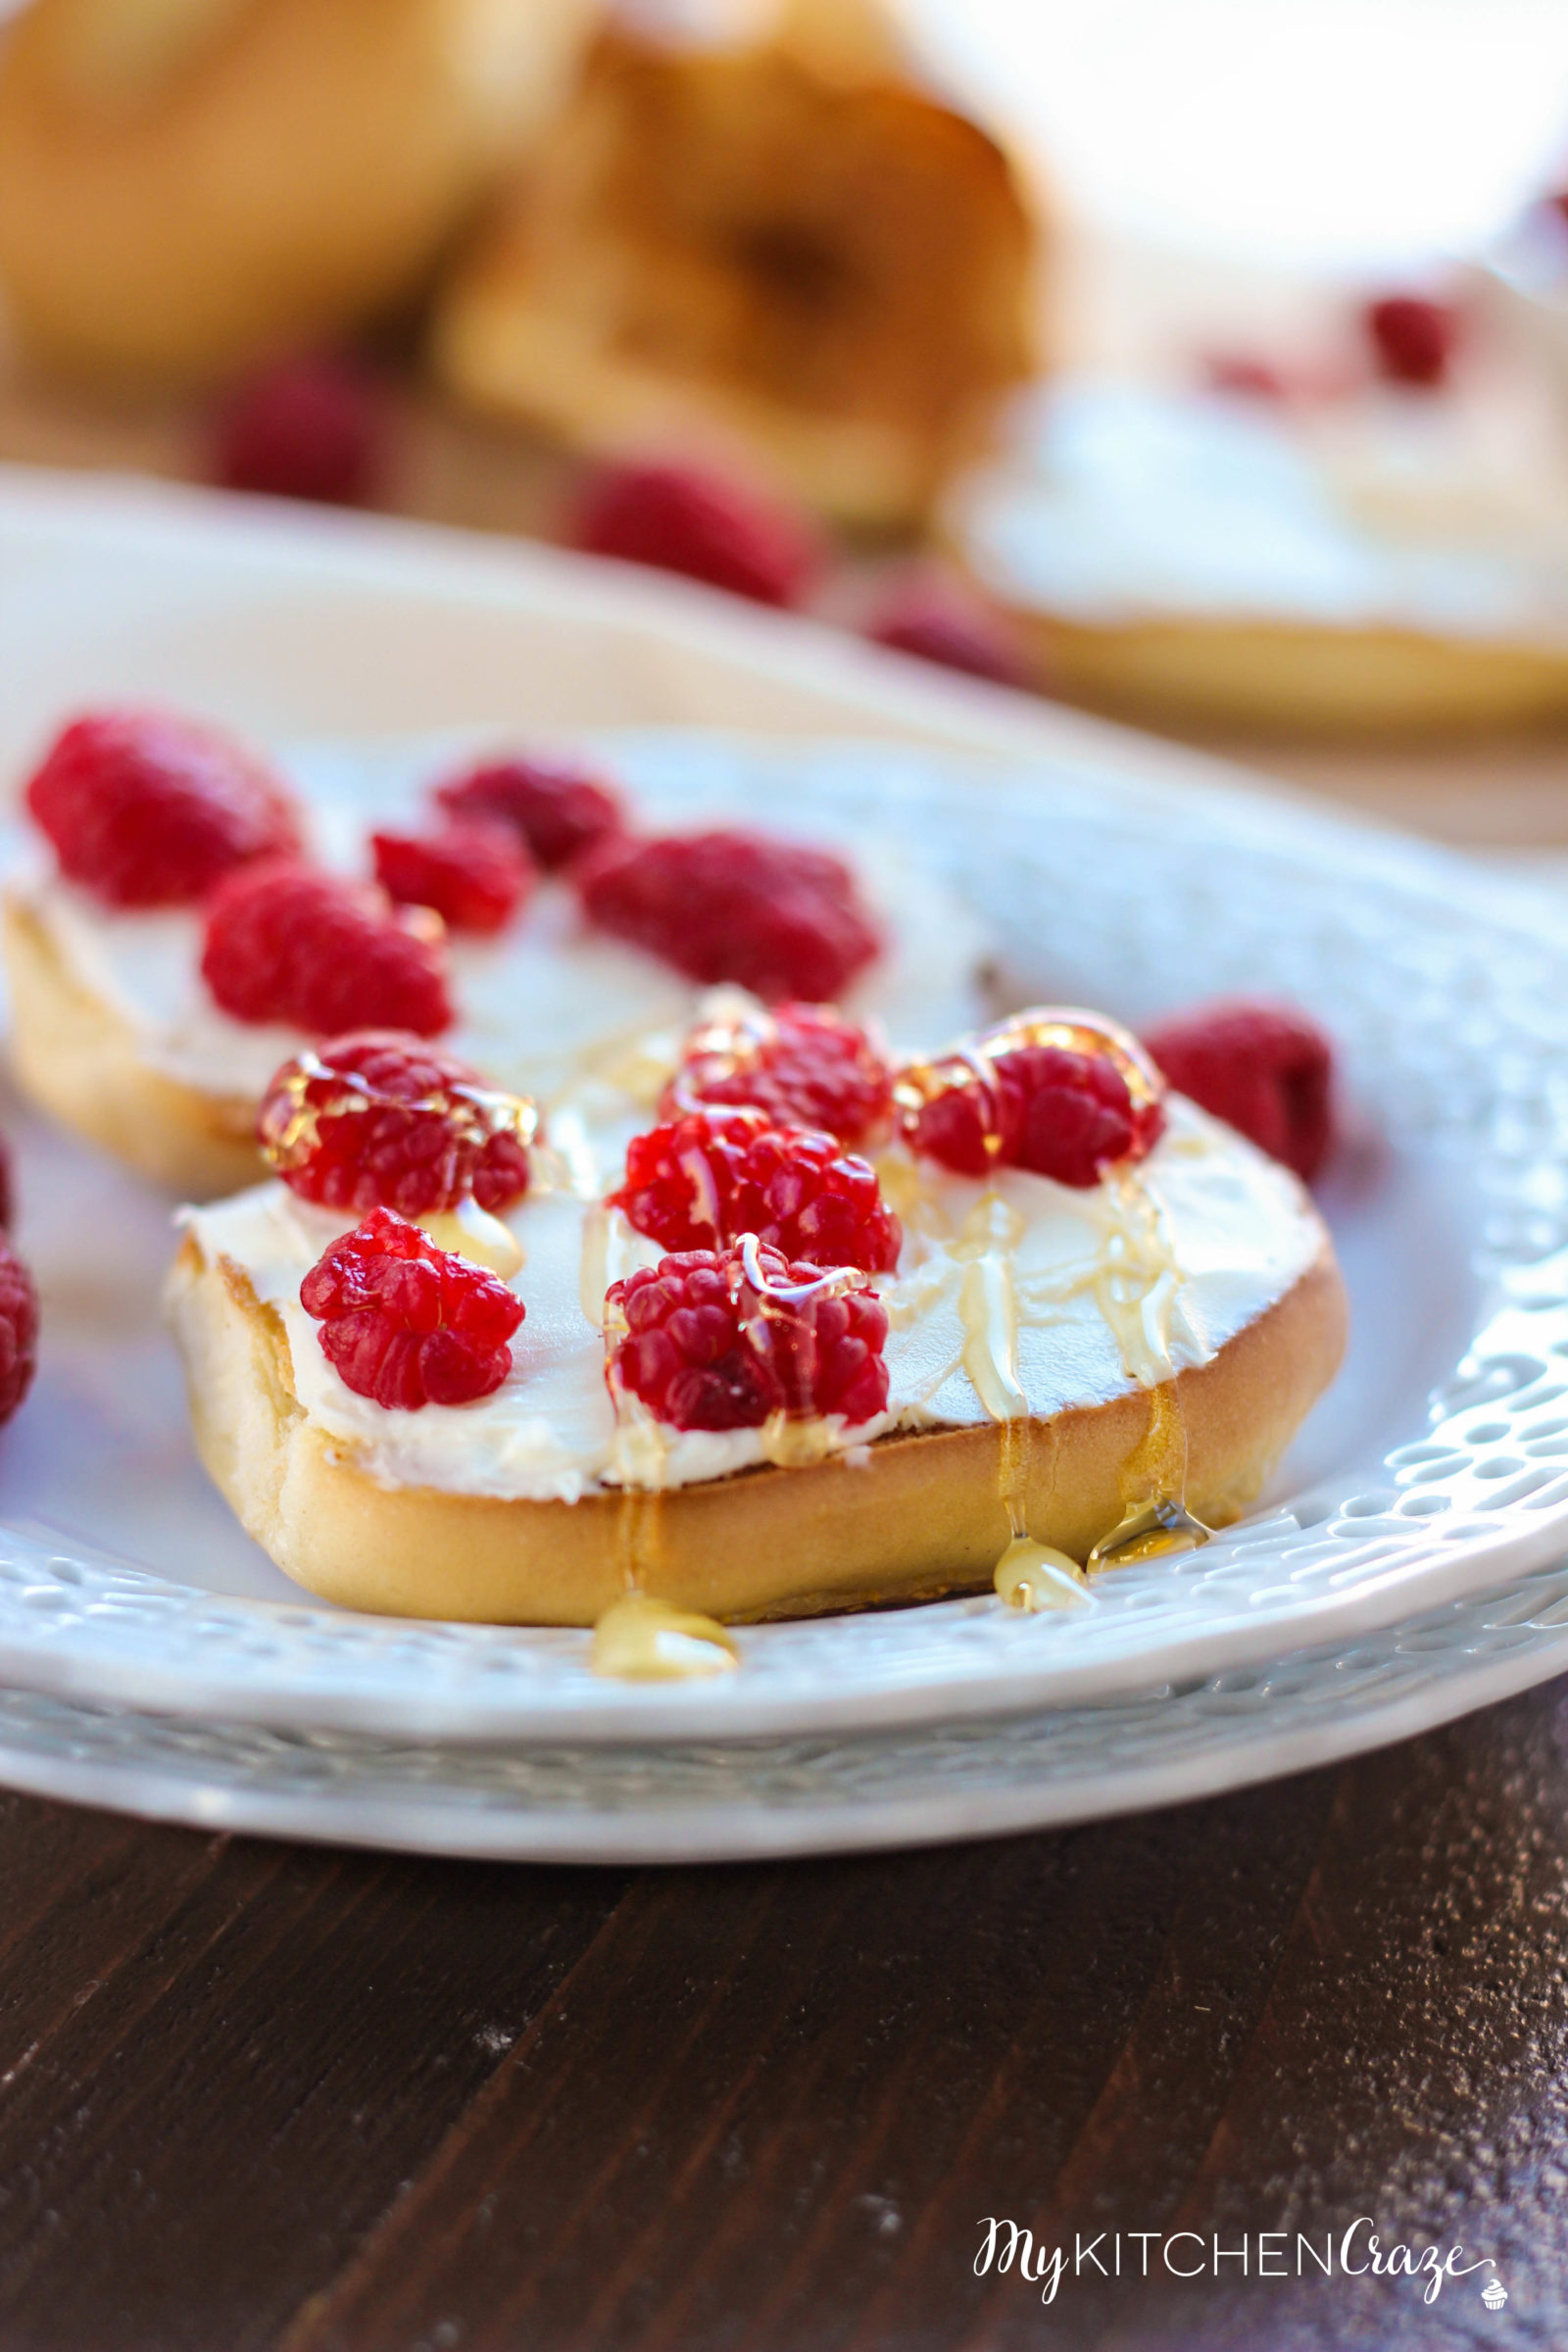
point(1205, 1274)
point(115, 1033)
point(1388, 561)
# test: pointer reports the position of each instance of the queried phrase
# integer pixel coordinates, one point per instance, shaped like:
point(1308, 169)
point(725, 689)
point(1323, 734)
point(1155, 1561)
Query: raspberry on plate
point(407, 1324)
point(18, 1331)
point(311, 429)
point(716, 1175)
point(1060, 1093)
point(381, 1120)
point(148, 810)
point(703, 525)
point(475, 874)
point(804, 1066)
point(1243, 375)
point(727, 1338)
point(940, 619)
point(289, 943)
point(1413, 337)
point(1265, 1069)
point(557, 810)
point(778, 919)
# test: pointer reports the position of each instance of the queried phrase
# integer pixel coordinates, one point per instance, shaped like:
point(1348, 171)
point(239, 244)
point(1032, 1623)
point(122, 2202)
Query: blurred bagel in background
point(188, 186)
point(782, 252)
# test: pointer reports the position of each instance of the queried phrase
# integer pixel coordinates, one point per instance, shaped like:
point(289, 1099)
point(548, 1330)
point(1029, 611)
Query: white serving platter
point(1109, 869)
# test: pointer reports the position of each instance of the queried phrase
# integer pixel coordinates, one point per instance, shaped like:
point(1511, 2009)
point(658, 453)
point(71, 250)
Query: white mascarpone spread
point(1042, 1295)
point(1119, 502)
point(548, 1001)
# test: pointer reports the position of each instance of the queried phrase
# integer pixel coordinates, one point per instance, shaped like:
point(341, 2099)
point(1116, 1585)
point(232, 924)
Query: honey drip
point(1155, 1516)
point(1033, 1576)
point(1135, 1280)
point(988, 1309)
point(640, 1640)
point(469, 1231)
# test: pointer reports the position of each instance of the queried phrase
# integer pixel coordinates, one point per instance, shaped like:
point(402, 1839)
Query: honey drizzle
point(639, 1637)
point(988, 1308)
point(640, 1640)
point(1155, 1518)
point(1136, 1282)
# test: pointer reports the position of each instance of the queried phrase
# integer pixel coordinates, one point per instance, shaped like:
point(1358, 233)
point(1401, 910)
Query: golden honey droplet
point(640, 1639)
point(1033, 1576)
point(1148, 1533)
point(469, 1231)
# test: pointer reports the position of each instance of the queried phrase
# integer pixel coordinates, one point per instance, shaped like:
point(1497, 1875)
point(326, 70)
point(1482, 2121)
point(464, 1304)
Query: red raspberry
point(408, 1324)
point(557, 812)
point(725, 1339)
point(939, 620)
point(147, 809)
point(382, 1121)
point(1241, 376)
point(716, 1175)
point(287, 943)
point(1055, 1093)
point(18, 1331)
point(781, 920)
point(804, 1066)
point(1264, 1068)
point(678, 519)
point(312, 428)
point(1413, 338)
point(474, 875)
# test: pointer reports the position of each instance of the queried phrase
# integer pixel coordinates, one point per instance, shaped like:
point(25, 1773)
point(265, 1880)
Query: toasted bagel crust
point(82, 1061)
point(1304, 679)
point(914, 1516)
point(287, 170)
point(824, 278)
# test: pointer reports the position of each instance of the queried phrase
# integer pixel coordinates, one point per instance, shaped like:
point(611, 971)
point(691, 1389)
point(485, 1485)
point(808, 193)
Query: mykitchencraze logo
point(1358, 2252)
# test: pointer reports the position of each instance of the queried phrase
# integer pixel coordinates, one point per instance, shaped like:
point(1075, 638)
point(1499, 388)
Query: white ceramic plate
point(688, 1801)
point(1110, 872)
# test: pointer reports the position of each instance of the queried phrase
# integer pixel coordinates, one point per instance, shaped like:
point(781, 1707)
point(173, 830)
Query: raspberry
point(475, 875)
point(408, 1324)
point(1241, 376)
point(702, 525)
point(726, 1339)
point(1264, 1068)
point(716, 1175)
point(557, 812)
point(18, 1331)
point(312, 428)
point(1413, 338)
point(381, 1121)
point(939, 620)
point(804, 1066)
point(287, 943)
point(147, 809)
point(1060, 1093)
point(781, 920)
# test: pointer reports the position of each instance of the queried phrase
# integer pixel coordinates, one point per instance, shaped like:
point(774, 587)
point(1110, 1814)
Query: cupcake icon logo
point(1494, 2294)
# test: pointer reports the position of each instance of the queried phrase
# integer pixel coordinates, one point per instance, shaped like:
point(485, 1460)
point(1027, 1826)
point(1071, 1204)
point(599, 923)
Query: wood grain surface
point(266, 2097)
point(260, 2098)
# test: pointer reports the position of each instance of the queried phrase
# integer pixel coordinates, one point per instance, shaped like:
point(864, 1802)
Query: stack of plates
point(1409, 1563)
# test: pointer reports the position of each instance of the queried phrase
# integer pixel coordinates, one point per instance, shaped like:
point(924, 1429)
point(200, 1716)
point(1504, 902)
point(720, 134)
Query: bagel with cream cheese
point(537, 1502)
point(782, 252)
point(188, 186)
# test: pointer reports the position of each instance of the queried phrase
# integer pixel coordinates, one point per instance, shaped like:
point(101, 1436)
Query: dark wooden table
point(261, 2095)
